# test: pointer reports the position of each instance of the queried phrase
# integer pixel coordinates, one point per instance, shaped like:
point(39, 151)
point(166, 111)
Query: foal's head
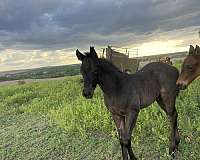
point(190, 68)
point(89, 71)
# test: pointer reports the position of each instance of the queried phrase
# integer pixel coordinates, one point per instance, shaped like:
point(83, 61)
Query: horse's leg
point(125, 127)
point(175, 134)
point(120, 123)
point(130, 122)
point(167, 103)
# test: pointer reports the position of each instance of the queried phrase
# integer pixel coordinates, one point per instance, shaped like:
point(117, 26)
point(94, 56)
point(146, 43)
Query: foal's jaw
point(185, 79)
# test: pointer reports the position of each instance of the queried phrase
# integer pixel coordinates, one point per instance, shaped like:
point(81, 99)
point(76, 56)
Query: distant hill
point(72, 70)
point(40, 73)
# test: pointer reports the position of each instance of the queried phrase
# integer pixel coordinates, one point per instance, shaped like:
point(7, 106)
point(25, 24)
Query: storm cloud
point(51, 25)
point(56, 24)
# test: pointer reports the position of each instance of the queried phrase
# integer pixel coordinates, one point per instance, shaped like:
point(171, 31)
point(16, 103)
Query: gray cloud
point(58, 24)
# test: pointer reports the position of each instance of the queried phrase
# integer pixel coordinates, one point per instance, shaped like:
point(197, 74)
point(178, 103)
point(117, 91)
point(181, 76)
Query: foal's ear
point(93, 52)
point(197, 50)
point(79, 55)
point(191, 50)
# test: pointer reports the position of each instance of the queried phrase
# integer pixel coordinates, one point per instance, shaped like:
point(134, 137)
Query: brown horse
point(190, 68)
point(125, 94)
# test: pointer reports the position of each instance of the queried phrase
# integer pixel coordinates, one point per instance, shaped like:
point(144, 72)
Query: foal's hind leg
point(167, 103)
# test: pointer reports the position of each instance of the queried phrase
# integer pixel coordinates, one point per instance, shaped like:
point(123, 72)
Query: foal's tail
point(177, 87)
point(177, 91)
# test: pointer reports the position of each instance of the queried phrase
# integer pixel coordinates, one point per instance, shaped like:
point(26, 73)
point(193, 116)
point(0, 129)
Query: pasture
point(51, 120)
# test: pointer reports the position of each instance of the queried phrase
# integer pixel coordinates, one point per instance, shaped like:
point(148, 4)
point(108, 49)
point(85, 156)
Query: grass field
point(51, 120)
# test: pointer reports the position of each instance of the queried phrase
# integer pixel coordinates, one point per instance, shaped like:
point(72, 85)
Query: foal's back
point(153, 80)
point(163, 73)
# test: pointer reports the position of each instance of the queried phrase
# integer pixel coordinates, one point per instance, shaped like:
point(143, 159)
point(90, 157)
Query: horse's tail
point(177, 87)
point(177, 91)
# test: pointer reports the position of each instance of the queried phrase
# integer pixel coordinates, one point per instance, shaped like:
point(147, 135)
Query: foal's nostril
point(181, 86)
point(84, 95)
point(178, 85)
point(87, 94)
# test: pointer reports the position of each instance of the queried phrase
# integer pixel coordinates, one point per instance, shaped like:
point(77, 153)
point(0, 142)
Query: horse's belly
point(148, 98)
point(146, 103)
point(119, 105)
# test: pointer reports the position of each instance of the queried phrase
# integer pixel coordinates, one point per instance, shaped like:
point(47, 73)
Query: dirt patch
point(14, 82)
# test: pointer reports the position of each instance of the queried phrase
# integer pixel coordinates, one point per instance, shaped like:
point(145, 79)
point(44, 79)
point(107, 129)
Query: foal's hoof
point(173, 153)
point(133, 158)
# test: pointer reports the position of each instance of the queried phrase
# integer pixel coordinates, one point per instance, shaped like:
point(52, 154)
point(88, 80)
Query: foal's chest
point(118, 105)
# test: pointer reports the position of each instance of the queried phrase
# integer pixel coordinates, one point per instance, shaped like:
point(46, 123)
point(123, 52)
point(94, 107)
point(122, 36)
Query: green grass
point(51, 120)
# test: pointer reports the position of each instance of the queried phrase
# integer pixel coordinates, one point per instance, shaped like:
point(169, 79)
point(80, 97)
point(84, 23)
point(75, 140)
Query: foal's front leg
point(120, 123)
point(130, 122)
point(125, 125)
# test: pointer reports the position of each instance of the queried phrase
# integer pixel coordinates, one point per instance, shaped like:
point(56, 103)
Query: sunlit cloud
point(17, 59)
point(160, 47)
point(167, 42)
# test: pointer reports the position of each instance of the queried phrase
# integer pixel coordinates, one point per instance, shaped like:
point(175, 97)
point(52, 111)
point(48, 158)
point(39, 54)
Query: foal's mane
point(107, 66)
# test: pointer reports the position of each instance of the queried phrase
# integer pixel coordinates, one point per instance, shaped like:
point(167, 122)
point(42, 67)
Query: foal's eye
point(189, 67)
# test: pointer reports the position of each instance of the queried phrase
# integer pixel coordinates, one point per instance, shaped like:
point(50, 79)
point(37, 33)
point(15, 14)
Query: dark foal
point(125, 94)
point(190, 68)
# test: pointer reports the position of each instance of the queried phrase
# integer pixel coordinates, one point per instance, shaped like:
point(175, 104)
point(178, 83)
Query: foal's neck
point(109, 77)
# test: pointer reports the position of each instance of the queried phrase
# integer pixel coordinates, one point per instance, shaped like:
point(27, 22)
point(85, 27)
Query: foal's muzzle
point(87, 93)
point(181, 86)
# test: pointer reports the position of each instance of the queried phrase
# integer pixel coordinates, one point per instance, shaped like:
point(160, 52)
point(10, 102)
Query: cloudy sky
point(36, 33)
